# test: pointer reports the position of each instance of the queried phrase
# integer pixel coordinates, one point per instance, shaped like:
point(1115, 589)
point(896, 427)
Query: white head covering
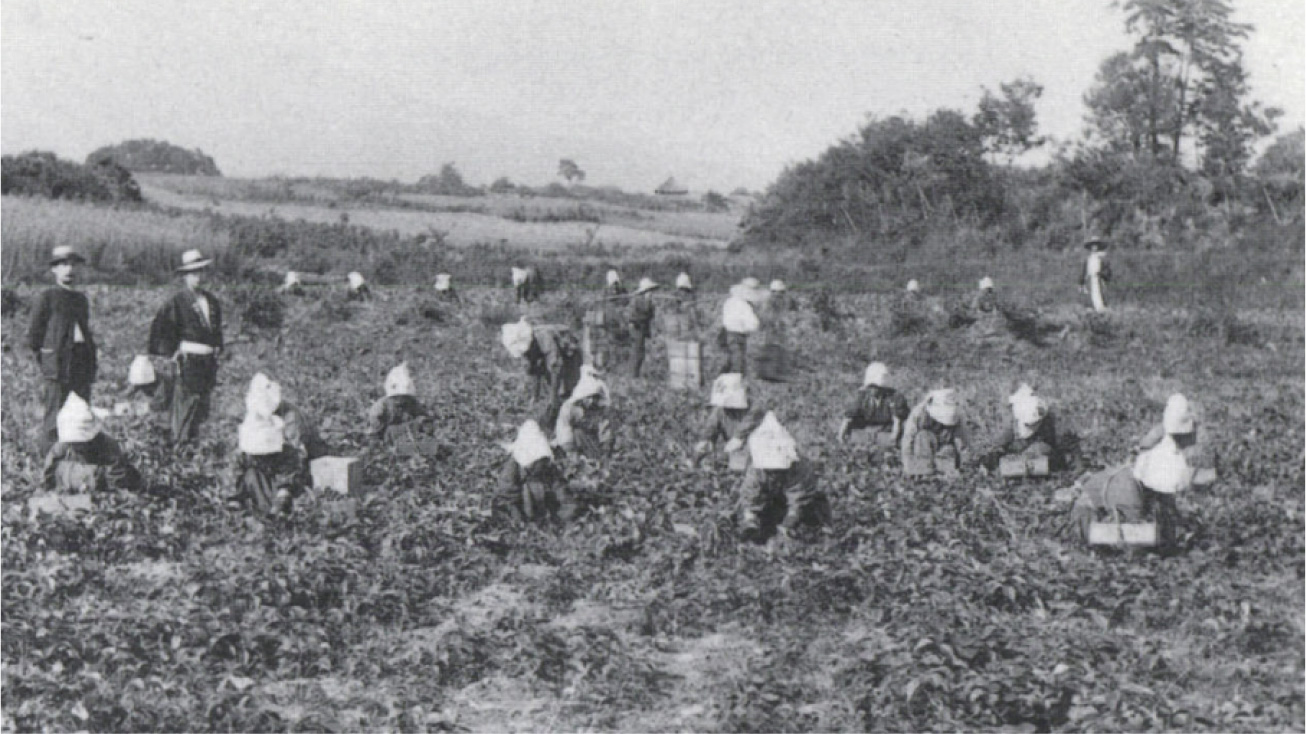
point(1164, 468)
point(738, 316)
point(751, 283)
point(589, 385)
point(531, 445)
point(399, 381)
point(770, 445)
point(260, 435)
point(263, 396)
point(516, 338)
point(986, 283)
point(292, 278)
point(1028, 410)
point(1178, 415)
point(942, 406)
point(684, 283)
point(729, 391)
point(519, 275)
point(76, 423)
point(777, 286)
point(141, 371)
point(355, 280)
point(876, 374)
point(443, 281)
point(913, 286)
point(613, 277)
point(645, 285)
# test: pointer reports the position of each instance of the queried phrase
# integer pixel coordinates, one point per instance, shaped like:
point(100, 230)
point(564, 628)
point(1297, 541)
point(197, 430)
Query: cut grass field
point(927, 605)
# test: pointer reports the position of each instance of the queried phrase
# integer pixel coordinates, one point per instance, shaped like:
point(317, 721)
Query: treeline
point(156, 156)
point(40, 173)
point(1166, 159)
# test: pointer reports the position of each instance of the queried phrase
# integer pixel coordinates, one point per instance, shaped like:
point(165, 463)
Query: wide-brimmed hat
point(1178, 415)
point(141, 371)
point(729, 391)
point(877, 373)
point(770, 446)
point(942, 406)
point(399, 381)
point(192, 260)
point(646, 285)
point(76, 422)
point(63, 254)
point(1096, 243)
point(684, 283)
point(751, 282)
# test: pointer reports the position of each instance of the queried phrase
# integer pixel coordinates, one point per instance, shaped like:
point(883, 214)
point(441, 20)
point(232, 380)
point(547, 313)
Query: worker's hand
point(733, 445)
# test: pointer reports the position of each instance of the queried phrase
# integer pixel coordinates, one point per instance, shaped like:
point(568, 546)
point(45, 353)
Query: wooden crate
point(1131, 534)
point(686, 364)
point(58, 505)
point(337, 473)
point(1017, 467)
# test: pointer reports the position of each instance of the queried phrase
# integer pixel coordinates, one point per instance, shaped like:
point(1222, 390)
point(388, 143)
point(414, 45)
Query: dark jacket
point(51, 335)
point(876, 406)
point(641, 315)
point(180, 320)
point(98, 465)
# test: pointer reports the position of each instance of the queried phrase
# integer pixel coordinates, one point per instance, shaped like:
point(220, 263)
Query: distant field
point(507, 219)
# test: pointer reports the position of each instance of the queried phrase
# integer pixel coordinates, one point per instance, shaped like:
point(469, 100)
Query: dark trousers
point(53, 396)
point(637, 358)
point(736, 353)
point(197, 375)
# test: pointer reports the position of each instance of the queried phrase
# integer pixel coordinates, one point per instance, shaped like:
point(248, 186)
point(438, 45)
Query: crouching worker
point(1172, 460)
point(934, 436)
point(553, 361)
point(85, 459)
point(532, 485)
point(731, 420)
point(399, 414)
point(1031, 433)
point(358, 288)
point(276, 445)
point(584, 422)
point(444, 288)
point(877, 407)
point(779, 485)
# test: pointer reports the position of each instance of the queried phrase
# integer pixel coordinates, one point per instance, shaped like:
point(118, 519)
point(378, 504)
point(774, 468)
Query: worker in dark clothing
point(60, 338)
point(532, 485)
point(86, 459)
point(641, 321)
point(553, 360)
point(188, 329)
point(877, 407)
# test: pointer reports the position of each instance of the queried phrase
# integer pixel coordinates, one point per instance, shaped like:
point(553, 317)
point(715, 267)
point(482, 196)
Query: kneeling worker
point(85, 459)
point(877, 407)
point(531, 484)
point(778, 478)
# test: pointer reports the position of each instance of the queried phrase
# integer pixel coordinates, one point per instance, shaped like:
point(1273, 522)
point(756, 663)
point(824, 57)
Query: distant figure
point(553, 358)
point(779, 485)
point(188, 330)
point(731, 420)
point(640, 317)
point(444, 288)
point(876, 407)
point(358, 288)
point(681, 319)
point(399, 414)
point(914, 289)
point(291, 286)
point(526, 282)
point(935, 436)
point(985, 299)
point(61, 341)
point(614, 286)
point(1097, 273)
point(531, 485)
point(738, 320)
point(584, 423)
point(85, 459)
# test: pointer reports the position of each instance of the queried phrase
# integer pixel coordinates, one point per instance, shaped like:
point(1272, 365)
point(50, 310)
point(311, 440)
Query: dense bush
point(155, 156)
point(39, 173)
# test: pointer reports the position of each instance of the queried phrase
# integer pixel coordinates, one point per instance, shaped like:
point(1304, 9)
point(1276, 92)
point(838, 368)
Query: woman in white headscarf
point(935, 435)
point(531, 485)
point(731, 420)
point(1172, 458)
point(584, 423)
point(738, 320)
point(358, 288)
point(877, 407)
point(85, 459)
point(778, 483)
point(269, 469)
point(553, 361)
point(399, 413)
point(1031, 431)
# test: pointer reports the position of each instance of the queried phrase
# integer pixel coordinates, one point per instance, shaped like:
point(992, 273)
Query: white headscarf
point(778, 286)
point(913, 286)
point(516, 338)
point(292, 279)
point(729, 391)
point(1178, 415)
point(263, 396)
point(141, 371)
point(770, 446)
point(942, 406)
point(260, 435)
point(531, 445)
point(1164, 468)
point(1028, 410)
point(738, 316)
point(443, 281)
point(355, 280)
point(76, 423)
point(613, 277)
point(589, 385)
point(399, 381)
point(986, 283)
point(519, 275)
point(876, 375)
point(684, 283)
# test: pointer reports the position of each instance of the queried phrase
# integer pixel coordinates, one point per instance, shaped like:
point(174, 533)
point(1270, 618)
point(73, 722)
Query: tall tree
point(568, 169)
point(1007, 122)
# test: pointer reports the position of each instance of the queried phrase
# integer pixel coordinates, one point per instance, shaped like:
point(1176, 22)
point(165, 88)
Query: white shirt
point(1095, 264)
point(203, 304)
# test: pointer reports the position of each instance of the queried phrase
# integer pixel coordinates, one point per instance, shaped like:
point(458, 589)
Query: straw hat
point(192, 260)
point(1178, 415)
point(260, 435)
point(443, 282)
point(684, 283)
point(531, 445)
point(516, 338)
point(942, 406)
point(355, 280)
point(613, 277)
point(76, 423)
point(263, 396)
point(913, 286)
point(65, 253)
point(1096, 243)
point(646, 285)
point(770, 446)
point(141, 371)
point(399, 381)
point(986, 283)
point(1164, 468)
point(729, 391)
point(778, 286)
point(876, 375)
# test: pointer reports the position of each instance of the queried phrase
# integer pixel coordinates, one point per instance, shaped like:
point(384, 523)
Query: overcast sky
point(719, 94)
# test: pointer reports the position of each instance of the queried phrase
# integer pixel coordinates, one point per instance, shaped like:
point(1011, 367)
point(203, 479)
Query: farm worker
point(526, 282)
point(291, 285)
point(614, 286)
point(531, 484)
point(738, 320)
point(877, 407)
point(397, 414)
point(61, 341)
point(681, 320)
point(914, 288)
point(188, 329)
point(777, 305)
point(777, 477)
point(986, 298)
point(585, 420)
point(444, 287)
point(641, 321)
point(1172, 459)
point(731, 419)
point(270, 468)
point(358, 288)
point(935, 435)
point(85, 459)
point(1096, 273)
point(1032, 430)
point(553, 358)
point(684, 284)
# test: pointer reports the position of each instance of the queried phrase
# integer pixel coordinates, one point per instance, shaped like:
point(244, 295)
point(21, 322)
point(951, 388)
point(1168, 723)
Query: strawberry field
point(926, 605)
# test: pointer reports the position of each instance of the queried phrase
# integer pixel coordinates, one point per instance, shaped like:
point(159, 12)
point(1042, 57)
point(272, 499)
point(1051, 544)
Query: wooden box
point(1016, 467)
point(1135, 534)
point(686, 364)
point(337, 473)
point(58, 505)
point(914, 466)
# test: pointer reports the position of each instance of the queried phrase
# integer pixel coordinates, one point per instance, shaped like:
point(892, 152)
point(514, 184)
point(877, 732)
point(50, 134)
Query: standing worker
point(60, 338)
point(526, 283)
point(553, 359)
point(188, 329)
point(641, 321)
point(614, 286)
point(1096, 273)
point(738, 320)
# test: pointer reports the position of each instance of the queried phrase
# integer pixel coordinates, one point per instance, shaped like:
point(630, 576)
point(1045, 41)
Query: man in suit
point(60, 338)
point(188, 329)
